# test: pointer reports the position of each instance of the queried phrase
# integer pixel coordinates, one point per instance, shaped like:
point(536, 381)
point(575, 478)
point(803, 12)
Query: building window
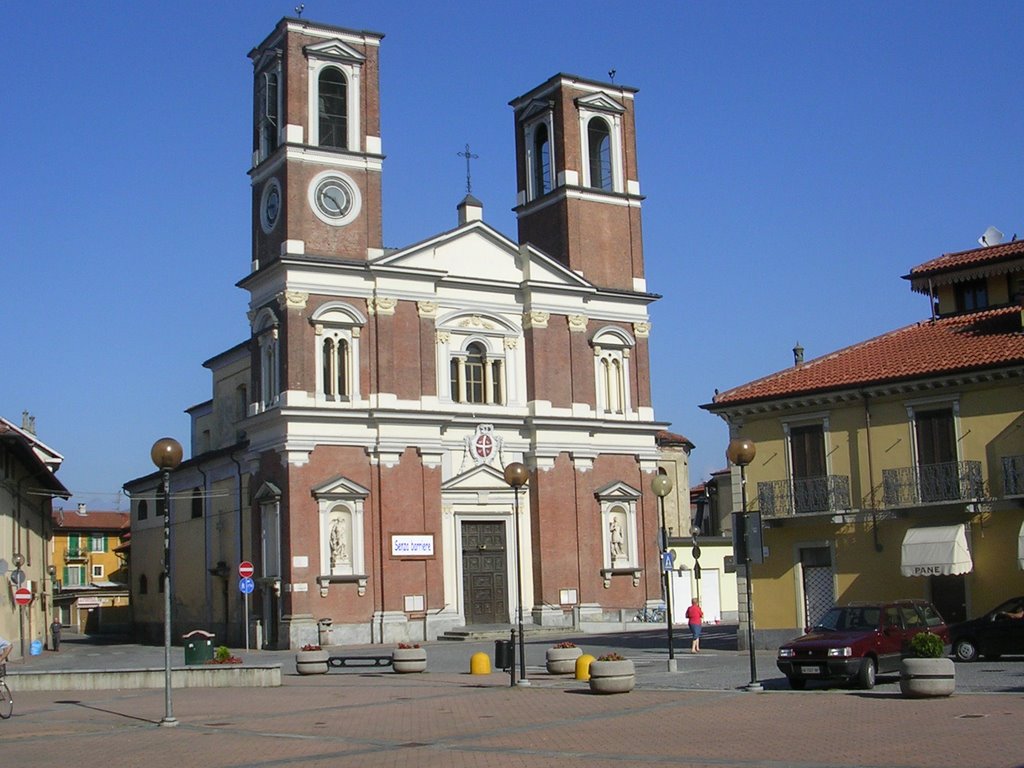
point(268, 111)
point(599, 142)
point(241, 402)
point(338, 327)
point(476, 377)
point(97, 543)
point(97, 571)
point(937, 468)
point(143, 585)
point(197, 503)
point(972, 295)
point(541, 160)
point(332, 107)
point(142, 511)
point(265, 330)
point(809, 474)
point(74, 576)
point(612, 347)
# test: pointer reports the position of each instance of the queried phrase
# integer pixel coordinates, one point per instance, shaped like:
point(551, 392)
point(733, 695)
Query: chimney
point(470, 209)
point(28, 422)
point(798, 355)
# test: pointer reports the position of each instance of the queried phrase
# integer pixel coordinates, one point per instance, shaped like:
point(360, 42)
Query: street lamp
point(741, 452)
point(694, 533)
point(166, 454)
point(19, 579)
point(516, 476)
point(662, 487)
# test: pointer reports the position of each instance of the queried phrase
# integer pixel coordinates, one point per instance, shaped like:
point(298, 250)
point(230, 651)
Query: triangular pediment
point(477, 252)
point(617, 490)
point(340, 488)
point(335, 50)
point(600, 102)
point(535, 107)
point(267, 491)
point(483, 477)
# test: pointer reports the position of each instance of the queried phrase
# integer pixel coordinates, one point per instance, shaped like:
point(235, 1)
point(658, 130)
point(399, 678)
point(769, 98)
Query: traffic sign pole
point(245, 571)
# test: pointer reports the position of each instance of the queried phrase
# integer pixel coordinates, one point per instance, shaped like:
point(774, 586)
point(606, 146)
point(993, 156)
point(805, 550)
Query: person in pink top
point(695, 617)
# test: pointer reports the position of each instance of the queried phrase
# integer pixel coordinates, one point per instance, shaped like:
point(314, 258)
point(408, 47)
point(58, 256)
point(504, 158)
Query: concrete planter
point(562, 661)
point(311, 662)
point(612, 676)
point(926, 678)
point(409, 660)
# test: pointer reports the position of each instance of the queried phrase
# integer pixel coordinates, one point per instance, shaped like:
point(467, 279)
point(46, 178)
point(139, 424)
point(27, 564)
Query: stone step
point(501, 632)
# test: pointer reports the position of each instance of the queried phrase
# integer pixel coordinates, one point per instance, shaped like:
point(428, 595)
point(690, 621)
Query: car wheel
point(965, 650)
point(866, 676)
point(797, 683)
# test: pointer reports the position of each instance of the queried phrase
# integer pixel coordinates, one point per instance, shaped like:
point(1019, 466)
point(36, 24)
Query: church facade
point(354, 445)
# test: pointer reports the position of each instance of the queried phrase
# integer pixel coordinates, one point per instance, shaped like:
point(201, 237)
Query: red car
point(855, 642)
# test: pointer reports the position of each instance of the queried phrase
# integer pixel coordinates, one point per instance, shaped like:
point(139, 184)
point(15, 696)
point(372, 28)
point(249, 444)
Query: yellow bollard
point(480, 664)
point(583, 666)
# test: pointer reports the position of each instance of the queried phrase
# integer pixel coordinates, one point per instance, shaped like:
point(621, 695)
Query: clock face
point(270, 208)
point(334, 198)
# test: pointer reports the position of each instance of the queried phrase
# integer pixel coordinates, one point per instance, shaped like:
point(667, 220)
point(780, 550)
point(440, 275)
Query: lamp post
point(694, 533)
point(166, 454)
point(516, 476)
point(741, 452)
point(662, 487)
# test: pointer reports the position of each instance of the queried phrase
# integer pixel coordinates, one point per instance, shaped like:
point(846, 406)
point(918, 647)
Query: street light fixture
point(166, 454)
point(516, 475)
point(662, 487)
point(741, 452)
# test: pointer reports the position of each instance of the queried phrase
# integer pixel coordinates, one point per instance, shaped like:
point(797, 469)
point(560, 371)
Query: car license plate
point(810, 669)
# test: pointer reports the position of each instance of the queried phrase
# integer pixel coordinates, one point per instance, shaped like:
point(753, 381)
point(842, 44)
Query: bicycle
point(6, 700)
point(653, 615)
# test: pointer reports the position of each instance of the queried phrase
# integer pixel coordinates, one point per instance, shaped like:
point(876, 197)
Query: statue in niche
point(338, 543)
point(617, 538)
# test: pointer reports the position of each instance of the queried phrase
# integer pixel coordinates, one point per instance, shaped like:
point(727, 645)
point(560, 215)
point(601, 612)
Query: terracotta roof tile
point(947, 345)
point(972, 258)
point(68, 519)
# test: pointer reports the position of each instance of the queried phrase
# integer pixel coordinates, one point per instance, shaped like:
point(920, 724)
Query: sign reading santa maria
point(412, 545)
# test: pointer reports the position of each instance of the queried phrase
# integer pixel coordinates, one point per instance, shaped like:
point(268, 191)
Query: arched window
point(337, 327)
point(197, 503)
point(599, 141)
point(477, 378)
point(268, 108)
point(541, 161)
point(143, 509)
point(336, 361)
point(333, 114)
point(475, 373)
point(143, 584)
point(612, 348)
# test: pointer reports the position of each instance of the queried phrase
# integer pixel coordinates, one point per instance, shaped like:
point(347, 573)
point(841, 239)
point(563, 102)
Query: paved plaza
point(447, 717)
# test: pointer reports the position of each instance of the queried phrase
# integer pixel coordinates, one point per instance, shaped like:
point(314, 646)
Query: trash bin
point(323, 631)
point(504, 654)
point(35, 648)
point(198, 646)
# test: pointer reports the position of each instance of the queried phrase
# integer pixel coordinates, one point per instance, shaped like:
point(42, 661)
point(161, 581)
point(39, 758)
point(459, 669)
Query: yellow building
point(894, 467)
point(91, 570)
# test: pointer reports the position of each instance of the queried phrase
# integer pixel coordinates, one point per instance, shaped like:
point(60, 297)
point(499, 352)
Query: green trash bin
point(198, 646)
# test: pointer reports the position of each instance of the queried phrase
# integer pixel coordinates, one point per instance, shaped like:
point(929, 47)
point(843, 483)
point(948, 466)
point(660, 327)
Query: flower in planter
point(407, 646)
point(223, 655)
point(566, 644)
point(311, 647)
point(611, 657)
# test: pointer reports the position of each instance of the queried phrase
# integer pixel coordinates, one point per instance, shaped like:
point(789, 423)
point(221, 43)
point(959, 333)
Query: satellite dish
point(992, 236)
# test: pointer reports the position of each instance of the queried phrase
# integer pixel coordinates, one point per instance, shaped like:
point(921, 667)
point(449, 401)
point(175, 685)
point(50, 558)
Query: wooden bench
point(359, 661)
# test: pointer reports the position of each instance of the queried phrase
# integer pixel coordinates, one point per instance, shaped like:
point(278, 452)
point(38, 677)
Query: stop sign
point(23, 596)
point(245, 569)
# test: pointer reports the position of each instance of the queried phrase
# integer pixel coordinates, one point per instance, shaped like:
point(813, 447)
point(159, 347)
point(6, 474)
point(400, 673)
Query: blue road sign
point(246, 585)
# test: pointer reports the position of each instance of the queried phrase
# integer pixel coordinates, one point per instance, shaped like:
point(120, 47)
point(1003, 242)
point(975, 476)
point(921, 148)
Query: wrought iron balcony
point(76, 553)
point(931, 483)
point(808, 495)
point(1013, 475)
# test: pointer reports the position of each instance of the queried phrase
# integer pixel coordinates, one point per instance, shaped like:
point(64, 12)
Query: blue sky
point(797, 158)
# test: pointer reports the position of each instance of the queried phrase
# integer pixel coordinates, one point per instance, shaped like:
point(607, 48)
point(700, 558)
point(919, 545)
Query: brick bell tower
point(316, 148)
point(578, 195)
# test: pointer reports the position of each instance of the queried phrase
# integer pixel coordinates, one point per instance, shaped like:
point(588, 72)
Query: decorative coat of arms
point(483, 446)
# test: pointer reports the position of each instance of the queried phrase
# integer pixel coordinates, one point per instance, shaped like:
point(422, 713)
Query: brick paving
point(450, 720)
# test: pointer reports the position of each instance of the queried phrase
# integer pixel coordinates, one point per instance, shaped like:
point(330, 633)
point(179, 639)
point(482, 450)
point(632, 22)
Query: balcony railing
point(930, 483)
point(808, 495)
point(1013, 475)
point(76, 553)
